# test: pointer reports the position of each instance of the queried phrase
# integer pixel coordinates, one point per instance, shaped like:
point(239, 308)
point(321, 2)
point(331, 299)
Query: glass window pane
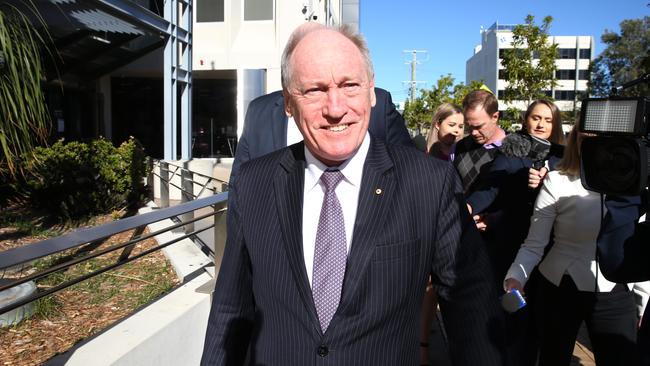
point(258, 9)
point(209, 10)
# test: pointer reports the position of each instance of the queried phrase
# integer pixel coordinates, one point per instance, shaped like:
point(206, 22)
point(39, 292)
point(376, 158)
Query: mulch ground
point(73, 314)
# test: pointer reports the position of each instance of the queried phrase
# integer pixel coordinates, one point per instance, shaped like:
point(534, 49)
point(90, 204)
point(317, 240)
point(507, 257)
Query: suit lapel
point(279, 129)
point(377, 190)
point(289, 186)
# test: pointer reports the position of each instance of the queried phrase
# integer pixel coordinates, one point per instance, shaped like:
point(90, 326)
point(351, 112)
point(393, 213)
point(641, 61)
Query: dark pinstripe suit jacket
point(415, 226)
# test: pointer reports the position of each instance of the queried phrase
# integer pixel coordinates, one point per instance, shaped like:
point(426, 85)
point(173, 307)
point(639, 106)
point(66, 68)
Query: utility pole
point(413, 82)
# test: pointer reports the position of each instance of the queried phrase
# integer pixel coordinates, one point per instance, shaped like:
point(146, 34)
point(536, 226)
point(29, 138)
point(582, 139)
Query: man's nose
point(335, 105)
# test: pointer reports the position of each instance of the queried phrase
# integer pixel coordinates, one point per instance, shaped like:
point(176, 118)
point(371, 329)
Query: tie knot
point(331, 179)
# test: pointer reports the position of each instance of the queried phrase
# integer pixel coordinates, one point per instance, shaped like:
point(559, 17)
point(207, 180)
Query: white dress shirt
point(293, 133)
point(574, 214)
point(347, 192)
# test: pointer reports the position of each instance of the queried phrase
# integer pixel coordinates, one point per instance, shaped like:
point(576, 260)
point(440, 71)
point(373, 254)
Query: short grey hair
point(300, 33)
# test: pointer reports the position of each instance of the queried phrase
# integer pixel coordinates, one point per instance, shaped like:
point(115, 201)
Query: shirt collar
point(497, 143)
point(352, 168)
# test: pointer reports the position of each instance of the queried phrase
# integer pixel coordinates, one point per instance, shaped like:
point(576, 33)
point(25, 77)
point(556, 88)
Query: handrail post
point(150, 188)
point(164, 184)
point(187, 194)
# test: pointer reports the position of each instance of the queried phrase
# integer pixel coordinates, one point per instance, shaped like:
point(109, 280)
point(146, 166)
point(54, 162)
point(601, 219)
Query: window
point(583, 74)
point(548, 93)
point(519, 52)
point(501, 94)
point(585, 53)
point(564, 94)
point(567, 53)
point(503, 75)
point(209, 11)
point(258, 9)
point(565, 74)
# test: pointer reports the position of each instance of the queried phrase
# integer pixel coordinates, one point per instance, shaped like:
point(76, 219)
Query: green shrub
point(75, 179)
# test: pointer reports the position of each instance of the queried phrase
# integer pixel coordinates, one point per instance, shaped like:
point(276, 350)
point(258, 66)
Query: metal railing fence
point(17, 264)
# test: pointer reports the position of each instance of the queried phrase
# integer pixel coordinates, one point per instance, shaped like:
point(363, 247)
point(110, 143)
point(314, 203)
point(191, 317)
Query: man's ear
point(287, 105)
point(495, 116)
point(373, 96)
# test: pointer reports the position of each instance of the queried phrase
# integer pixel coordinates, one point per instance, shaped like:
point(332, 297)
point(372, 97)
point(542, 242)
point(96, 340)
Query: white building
point(237, 45)
point(118, 55)
point(574, 56)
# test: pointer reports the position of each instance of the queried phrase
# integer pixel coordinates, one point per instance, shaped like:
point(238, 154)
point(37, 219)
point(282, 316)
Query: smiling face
point(540, 121)
point(330, 95)
point(451, 128)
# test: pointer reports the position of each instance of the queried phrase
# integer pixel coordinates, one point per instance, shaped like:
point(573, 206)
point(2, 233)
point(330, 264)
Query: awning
point(95, 37)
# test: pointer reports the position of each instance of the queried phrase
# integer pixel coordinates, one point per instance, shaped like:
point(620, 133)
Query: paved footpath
point(438, 356)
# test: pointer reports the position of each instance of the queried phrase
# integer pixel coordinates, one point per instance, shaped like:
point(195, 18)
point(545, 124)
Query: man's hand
point(511, 283)
point(479, 220)
point(535, 177)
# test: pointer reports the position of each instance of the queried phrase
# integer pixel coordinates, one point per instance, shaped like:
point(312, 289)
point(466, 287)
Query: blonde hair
point(570, 163)
point(443, 111)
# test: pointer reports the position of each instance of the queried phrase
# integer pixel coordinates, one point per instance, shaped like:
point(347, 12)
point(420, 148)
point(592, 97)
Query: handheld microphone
point(512, 301)
point(539, 149)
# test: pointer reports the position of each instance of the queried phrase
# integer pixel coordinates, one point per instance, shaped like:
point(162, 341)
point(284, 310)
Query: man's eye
point(351, 86)
point(313, 91)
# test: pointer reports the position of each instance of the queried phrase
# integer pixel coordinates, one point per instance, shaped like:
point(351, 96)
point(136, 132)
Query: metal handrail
point(19, 256)
point(27, 253)
point(204, 186)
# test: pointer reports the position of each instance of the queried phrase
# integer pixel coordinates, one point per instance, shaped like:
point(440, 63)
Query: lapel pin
point(378, 191)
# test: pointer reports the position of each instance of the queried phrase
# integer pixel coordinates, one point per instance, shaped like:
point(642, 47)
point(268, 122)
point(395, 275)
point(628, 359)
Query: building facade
point(575, 54)
point(175, 74)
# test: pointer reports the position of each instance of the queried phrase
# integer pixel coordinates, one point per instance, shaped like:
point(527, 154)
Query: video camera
point(615, 161)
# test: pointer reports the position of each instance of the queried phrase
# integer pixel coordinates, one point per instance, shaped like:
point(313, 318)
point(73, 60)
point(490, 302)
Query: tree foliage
point(24, 119)
point(529, 66)
point(419, 112)
point(626, 57)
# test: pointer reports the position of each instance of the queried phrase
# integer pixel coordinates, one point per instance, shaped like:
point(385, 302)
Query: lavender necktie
point(330, 253)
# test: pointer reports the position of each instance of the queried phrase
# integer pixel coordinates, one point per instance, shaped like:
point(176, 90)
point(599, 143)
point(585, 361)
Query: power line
point(413, 82)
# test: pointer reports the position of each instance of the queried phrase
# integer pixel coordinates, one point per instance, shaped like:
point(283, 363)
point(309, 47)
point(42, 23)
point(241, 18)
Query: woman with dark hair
point(503, 206)
point(509, 191)
point(571, 288)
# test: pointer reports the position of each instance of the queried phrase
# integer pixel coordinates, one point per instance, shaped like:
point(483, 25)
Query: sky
point(449, 31)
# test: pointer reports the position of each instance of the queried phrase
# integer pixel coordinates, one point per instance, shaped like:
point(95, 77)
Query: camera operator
point(624, 251)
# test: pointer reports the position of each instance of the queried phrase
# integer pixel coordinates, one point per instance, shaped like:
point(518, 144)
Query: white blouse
point(574, 214)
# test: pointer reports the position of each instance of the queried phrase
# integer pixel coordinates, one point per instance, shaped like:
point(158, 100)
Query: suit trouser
point(610, 318)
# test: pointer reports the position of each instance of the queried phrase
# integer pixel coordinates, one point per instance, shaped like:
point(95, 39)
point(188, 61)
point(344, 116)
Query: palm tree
point(24, 119)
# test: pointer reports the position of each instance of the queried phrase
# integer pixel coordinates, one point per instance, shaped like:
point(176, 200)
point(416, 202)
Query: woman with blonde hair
point(572, 289)
point(446, 129)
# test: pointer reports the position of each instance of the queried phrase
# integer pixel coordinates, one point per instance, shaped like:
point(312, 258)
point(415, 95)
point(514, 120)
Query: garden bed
point(71, 315)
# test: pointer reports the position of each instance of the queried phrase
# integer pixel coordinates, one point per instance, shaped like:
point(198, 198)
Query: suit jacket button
point(323, 351)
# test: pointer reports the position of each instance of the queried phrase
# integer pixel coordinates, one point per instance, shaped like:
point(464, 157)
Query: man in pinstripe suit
point(404, 217)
